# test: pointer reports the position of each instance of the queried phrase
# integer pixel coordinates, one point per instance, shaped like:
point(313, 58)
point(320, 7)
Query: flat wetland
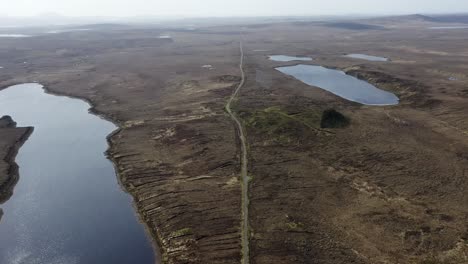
point(387, 185)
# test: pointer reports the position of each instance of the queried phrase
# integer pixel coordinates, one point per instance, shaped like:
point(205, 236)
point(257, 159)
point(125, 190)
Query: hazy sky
point(227, 7)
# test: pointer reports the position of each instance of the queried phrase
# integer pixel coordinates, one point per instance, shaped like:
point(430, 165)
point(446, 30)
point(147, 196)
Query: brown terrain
point(389, 187)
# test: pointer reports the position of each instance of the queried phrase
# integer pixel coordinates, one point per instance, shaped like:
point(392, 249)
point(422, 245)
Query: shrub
point(333, 119)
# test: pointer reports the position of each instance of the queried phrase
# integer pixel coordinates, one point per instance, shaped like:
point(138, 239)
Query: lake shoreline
point(14, 169)
point(154, 238)
point(21, 135)
point(340, 84)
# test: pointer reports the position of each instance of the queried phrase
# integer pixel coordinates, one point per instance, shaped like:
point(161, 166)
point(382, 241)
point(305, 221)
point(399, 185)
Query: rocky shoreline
point(12, 139)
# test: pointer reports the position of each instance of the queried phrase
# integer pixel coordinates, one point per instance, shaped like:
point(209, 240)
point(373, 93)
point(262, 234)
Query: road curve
point(244, 176)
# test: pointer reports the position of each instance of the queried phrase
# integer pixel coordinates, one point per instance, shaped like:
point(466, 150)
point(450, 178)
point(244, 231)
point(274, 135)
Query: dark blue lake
point(68, 206)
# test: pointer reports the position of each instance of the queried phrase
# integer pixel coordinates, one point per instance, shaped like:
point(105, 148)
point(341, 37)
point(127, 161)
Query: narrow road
point(245, 178)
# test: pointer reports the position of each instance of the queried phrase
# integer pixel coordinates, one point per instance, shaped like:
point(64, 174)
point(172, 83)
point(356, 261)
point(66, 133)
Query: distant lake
point(58, 31)
point(14, 36)
point(341, 84)
point(366, 57)
point(285, 58)
point(450, 27)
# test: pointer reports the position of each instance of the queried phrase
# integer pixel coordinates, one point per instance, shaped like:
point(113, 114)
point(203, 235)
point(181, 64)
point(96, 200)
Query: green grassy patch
point(281, 125)
point(181, 232)
point(292, 226)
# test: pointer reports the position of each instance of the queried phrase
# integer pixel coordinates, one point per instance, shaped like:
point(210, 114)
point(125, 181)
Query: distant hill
point(51, 19)
point(106, 26)
point(400, 19)
point(416, 17)
point(449, 18)
point(458, 18)
point(353, 26)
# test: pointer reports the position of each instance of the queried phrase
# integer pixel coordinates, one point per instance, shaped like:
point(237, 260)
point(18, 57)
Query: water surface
point(366, 57)
point(67, 207)
point(450, 27)
point(341, 84)
point(14, 36)
point(208, 66)
point(58, 31)
point(284, 58)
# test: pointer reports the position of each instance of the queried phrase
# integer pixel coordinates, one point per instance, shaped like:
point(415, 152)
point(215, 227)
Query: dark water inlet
point(67, 206)
point(341, 84)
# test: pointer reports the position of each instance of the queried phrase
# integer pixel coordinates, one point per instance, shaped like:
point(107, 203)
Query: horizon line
point(56, 14)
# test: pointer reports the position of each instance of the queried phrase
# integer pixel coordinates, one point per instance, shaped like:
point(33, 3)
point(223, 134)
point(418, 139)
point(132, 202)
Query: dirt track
point(244, 163)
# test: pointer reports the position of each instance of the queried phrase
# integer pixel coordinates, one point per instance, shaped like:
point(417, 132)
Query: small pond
point(285, 58)
point(366, 57)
